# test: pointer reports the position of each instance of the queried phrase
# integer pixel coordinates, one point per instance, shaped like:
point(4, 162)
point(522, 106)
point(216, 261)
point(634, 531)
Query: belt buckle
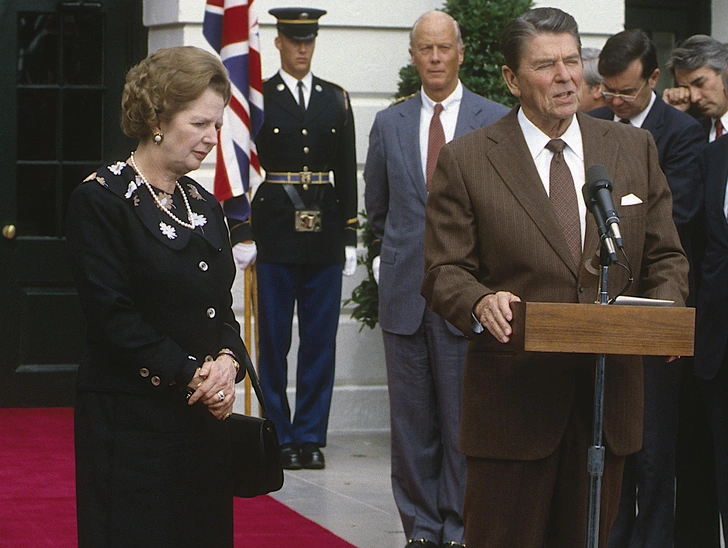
point(305, 177)
point(308, 220)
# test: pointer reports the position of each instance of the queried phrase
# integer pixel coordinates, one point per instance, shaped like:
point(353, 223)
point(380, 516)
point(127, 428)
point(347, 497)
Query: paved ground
point(352, 496)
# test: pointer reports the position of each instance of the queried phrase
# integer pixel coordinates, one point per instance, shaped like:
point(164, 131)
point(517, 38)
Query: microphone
point(604, 235)
point(598, 188)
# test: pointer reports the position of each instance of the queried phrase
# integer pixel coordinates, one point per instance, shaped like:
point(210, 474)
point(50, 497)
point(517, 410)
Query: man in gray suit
point(424, 354)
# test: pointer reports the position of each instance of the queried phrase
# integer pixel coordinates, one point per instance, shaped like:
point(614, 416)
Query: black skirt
point(151, 472)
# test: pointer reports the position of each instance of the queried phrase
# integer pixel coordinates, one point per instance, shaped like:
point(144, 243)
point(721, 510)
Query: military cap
point(298, 23)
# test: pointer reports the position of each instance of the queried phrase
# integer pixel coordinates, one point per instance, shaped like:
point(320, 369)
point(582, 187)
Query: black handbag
point(256, 455)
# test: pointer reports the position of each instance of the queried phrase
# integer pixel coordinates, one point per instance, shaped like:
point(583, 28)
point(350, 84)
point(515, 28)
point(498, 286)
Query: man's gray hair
point(697, 52)
point(590, 60)
point(428, 14)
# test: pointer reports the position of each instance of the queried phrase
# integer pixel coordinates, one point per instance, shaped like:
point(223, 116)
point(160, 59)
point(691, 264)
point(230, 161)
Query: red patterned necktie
point(563, 198)
point(435, 141)
point(718, 128)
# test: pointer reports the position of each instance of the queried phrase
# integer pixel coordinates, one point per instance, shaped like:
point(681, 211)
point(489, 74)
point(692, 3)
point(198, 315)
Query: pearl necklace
point(191, 225)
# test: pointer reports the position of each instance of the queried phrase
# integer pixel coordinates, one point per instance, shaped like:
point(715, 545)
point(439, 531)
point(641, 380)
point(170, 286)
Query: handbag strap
point(255, 382)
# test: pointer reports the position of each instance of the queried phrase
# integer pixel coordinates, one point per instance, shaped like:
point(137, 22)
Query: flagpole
point(247, 310)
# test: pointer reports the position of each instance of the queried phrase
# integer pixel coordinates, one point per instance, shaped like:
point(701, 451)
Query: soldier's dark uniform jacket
point(319, 141)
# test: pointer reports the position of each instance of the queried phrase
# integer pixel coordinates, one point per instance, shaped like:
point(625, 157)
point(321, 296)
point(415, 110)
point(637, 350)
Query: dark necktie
point(718, 128)
point(624, 120)
point(563, 198)
point(435, 141)
point(301, 100)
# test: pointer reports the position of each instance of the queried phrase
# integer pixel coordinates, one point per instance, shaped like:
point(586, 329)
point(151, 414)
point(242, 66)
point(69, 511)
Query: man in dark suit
point(505, 222)
point(628, 65)
point(711, 330)
point(304, 227)
point(699, 66)
point(424, 354)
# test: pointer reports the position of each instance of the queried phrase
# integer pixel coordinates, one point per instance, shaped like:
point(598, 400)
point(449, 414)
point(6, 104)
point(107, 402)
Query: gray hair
point(590, 60)
point(697, 52)
point(427, 15)
point(520, 30)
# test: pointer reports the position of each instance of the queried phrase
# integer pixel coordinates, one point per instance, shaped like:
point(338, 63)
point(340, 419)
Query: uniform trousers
point(542, 503)
point(648, 481)
point(425, 375)
point(316, 292)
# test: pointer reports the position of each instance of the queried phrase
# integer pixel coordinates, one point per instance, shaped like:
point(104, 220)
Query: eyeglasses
point(626, 98)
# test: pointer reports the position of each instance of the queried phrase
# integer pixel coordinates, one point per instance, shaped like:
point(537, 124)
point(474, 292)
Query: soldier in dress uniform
point(304, 221)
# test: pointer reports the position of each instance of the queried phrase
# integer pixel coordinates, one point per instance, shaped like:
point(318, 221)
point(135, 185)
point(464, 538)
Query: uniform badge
point(281, 87)
point(318, 87)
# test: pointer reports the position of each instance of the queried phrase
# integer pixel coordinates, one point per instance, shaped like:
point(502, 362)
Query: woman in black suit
point(152, 262)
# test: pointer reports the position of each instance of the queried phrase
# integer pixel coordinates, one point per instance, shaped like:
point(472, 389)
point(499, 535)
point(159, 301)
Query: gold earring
point(158, 138)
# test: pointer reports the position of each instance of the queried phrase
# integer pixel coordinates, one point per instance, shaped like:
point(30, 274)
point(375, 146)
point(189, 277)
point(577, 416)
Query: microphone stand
point(595, 457)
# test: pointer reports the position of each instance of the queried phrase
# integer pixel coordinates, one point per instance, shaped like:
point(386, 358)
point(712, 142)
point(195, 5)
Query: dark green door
point(62, 67)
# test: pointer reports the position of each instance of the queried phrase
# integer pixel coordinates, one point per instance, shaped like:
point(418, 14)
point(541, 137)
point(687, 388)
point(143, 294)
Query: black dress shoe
point(290, 457)
point(420, 543)
point(311, 457)
point(452, 544)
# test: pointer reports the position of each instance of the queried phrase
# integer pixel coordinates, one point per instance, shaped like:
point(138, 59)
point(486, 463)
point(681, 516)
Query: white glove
point(350, 261)
point(375, 268)
point(245, 254)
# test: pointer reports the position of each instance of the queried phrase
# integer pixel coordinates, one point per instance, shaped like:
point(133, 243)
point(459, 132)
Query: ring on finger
point(221, 395)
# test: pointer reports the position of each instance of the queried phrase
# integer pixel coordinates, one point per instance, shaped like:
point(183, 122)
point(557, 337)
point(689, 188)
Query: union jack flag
point(231, 28)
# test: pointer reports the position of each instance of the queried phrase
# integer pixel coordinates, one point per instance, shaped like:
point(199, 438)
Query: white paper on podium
point(641, 301)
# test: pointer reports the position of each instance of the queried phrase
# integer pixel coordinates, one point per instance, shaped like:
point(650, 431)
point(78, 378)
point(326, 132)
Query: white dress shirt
point(638, 120)
point(292, 85)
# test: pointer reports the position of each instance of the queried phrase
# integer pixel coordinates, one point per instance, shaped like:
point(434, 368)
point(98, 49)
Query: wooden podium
point(598, 329)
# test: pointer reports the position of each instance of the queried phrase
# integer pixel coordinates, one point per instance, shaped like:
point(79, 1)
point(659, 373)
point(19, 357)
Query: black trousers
point(697, 520)
point(648, 480)
point(715, 392)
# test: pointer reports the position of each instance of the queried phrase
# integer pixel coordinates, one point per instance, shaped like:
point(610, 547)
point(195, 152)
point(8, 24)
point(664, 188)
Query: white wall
point(597, 20)
point(719, 21)
point(361, 46)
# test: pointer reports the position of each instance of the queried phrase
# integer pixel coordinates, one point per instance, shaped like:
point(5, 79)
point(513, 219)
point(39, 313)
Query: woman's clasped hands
point(214, 385)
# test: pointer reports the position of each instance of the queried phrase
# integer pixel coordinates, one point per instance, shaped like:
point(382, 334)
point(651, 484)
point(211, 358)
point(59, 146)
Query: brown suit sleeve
point(451, 285)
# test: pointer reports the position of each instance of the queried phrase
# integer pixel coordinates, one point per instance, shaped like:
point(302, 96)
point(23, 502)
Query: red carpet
point(37, 492)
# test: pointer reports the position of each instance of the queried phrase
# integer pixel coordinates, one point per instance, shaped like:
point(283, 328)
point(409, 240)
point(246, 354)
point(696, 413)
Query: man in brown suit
point(493, 236)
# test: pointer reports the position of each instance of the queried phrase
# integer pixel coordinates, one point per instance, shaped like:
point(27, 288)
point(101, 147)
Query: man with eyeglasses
point(628, 65)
